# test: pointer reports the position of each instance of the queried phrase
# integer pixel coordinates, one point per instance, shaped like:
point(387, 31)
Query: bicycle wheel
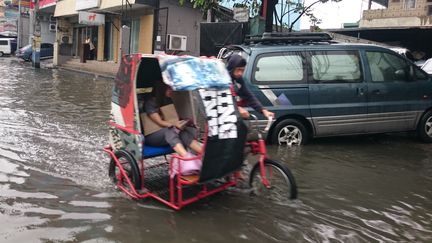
point(130, 167)
point(282, 184)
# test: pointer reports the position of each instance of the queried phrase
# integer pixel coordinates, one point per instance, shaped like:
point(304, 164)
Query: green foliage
point(203, 5)
point(301, 10)
point(254, 6)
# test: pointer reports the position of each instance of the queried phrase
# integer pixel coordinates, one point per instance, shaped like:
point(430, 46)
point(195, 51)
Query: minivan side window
point(384, 67)
point(336, 67)
point(3, 42)
point(387, 67)
point(279, 68)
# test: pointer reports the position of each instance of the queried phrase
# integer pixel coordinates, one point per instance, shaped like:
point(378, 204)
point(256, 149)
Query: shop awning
point(115, 5)
point(65, 8)
point(46, 3)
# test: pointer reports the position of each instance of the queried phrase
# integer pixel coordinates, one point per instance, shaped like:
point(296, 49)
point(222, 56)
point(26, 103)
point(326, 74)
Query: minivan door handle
point(360, 91)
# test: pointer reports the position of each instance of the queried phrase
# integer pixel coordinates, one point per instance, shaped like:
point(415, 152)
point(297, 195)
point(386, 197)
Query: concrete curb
point(86, 72)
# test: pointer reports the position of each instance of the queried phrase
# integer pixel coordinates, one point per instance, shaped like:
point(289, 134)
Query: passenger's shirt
point(150, 105)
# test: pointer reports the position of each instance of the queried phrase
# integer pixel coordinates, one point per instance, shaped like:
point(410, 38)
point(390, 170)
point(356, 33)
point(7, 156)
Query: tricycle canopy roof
point(182, 73)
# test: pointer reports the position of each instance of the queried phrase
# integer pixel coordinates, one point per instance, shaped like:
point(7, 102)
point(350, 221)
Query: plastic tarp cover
point(192, 73)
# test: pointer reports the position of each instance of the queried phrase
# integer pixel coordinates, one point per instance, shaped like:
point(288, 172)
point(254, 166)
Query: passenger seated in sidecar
point(152, 94)
point(220, 157)
point(174, 133)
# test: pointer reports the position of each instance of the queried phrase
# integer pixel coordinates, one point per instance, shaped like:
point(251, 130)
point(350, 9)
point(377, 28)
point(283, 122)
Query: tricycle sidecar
point(202, 94)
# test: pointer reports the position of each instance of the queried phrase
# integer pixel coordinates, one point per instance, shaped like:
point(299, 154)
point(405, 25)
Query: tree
point(297, 7)
point(267, 8)
point(203, 5)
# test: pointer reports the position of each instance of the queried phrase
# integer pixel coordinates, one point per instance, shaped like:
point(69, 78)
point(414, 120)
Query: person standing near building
point(91, 48)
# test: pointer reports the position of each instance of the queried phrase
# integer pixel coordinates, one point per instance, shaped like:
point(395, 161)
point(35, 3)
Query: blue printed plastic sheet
point(191, 73)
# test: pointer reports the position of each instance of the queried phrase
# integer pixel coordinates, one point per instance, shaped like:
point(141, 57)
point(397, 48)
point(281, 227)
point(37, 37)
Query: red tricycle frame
point(224, 142)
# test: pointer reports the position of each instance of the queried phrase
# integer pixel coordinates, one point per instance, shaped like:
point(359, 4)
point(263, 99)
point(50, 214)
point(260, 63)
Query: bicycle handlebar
point(269, 122)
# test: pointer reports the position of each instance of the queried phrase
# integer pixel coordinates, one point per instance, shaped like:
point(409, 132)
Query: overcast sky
point(333, 15)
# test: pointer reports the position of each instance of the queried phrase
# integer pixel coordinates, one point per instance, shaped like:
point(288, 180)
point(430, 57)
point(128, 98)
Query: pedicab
point(202, 94)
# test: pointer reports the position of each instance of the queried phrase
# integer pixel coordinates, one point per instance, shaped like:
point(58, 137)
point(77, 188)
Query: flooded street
point(54, 185)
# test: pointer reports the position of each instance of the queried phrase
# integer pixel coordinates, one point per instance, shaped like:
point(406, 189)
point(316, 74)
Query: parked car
point(7, 46)
point(320, 88)
point(427, 66)
point(46, 51)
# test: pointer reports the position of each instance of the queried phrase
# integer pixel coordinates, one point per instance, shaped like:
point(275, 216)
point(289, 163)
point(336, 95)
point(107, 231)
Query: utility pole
point(268, 8)
point(19, 26)
point(36, 38)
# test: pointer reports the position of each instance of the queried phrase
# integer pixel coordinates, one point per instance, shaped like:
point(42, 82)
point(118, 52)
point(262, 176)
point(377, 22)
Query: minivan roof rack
point(290, 37)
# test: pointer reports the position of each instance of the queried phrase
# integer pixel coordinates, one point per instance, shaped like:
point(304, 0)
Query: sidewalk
point(104, 69)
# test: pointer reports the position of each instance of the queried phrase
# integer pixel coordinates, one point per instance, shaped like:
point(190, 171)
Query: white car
point(427, 66)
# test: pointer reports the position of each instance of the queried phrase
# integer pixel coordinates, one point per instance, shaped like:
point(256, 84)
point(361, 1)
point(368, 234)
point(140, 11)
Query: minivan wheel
point(290, 132)
point(424, 129)
point(1, 53)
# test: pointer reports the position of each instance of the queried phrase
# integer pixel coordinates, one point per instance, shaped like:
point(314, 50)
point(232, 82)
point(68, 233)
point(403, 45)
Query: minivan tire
point(1, 53)
point(290, 132)
point(424, 129)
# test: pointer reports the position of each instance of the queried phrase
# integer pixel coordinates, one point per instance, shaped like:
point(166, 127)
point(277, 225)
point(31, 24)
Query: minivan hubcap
point(290, 135)
point(428, 127)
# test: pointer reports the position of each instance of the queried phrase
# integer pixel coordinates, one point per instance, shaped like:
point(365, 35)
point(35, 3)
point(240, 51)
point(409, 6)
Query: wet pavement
point(54, 185)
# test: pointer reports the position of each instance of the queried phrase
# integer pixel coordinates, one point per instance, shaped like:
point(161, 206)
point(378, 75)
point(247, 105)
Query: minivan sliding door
point(337, 92)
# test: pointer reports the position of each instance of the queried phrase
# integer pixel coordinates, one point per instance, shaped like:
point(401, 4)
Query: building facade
point(398, 23)
point(149, 23)
point(398, 13)
point(47, 22)
point(101, 22)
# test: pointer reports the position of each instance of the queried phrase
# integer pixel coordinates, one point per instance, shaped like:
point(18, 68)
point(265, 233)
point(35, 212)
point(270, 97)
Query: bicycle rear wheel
point(129, 166)
point(282, 184)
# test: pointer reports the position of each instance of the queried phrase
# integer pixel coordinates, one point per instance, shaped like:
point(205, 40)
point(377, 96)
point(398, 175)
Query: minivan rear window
point(384, 67)
point(336, 66)
point(279, 67)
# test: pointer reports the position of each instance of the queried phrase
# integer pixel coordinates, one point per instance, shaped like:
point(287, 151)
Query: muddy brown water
point(54, 185)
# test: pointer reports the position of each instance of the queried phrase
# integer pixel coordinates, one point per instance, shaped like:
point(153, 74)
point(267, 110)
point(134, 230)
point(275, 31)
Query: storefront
point(80, 35)
point(101, 22)
point(86, 30)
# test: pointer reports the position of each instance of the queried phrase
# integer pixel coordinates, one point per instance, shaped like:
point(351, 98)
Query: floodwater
point(54, 185)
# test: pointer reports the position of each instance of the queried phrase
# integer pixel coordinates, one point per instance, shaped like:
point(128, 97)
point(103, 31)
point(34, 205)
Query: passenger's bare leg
point(196, 146)
point(180, 149)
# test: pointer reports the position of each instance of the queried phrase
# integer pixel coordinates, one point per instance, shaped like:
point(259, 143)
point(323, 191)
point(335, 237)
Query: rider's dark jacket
point(247, 98)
